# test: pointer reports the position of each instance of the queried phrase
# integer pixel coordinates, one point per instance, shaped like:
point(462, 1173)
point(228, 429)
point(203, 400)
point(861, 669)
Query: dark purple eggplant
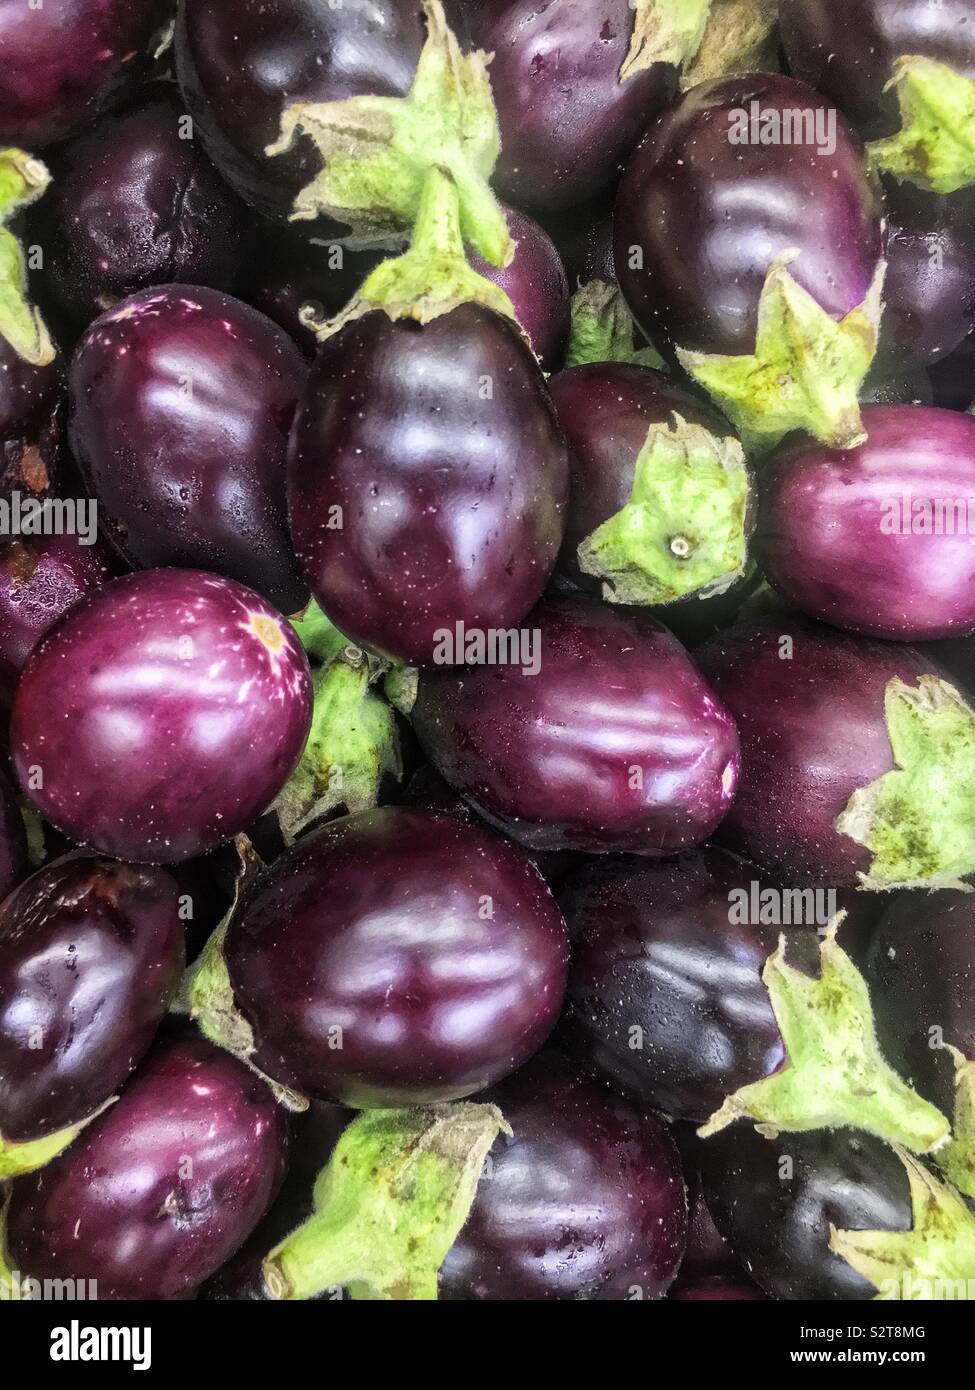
point(162, 715)
point(181, 404)
point(159, 1191)
point(611, 741)
point(929, 289)
point(583, 237)
point(31, 424)
point(537, 285)
point(13, 839)
point(398, 957)
point(953, 378)
point(91, 952)
point(135, 203)
point(716, 1288)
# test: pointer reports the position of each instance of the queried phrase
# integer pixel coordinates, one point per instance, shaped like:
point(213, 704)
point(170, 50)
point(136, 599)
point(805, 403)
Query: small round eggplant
point(398, 957)
point(537, 285)
point(159, 1191)
point(612, 741)
point(427, 480)
point(584, 1201)
point(181, 403)
point(162, 715)
point(91, 952)
point(929, 289)
point(13, 839)
point(66, 60)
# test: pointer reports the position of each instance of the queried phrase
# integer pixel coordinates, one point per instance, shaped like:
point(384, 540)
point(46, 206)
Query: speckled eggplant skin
point(440, 448)
point(91, 952)
point(567, 121)
point(163, 1187)
point(585, 1201)
point(13, 839)
point(433, 945)
point(838, 534)
point(537, 285)
point(135, 202)
point(777, 1217)
point(181, 403)
point(699, 219)
point(241, 62)
point(812, 731)
point(63, 62)
point(617, 744)
point(164, 713)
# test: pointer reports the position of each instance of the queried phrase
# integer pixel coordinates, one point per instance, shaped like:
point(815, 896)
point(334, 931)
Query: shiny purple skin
point(537, 285)
point(181, 404)
point(839, 539)
point(451, 496)
point(165, 713)
point(13, 839)
point(41, 577)
point(136, 203)
point(159, 1191)
point(929, 288)
point(847, 50)
point(709, 217)
point(31, 423)
point(585, 1201)
point(63, 62)
point(241, 62)
point(376, 925)
point(567, 121)
point(616, 744)
point(812, 732)
point(91, 952)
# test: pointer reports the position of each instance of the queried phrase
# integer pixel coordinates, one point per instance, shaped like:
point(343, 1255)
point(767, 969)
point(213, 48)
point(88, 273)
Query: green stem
point(602, 330)
point(318, 635)
point(957, 1159)
point(740, 37)
point(935, 147)
point(17, 1159)
point(664, 31)
point(23, 180)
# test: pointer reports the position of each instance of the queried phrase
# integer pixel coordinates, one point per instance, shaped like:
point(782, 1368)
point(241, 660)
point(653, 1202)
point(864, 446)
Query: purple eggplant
point(91, 952)
point(134, 203)
point(716, 1288)
point(31, 424)
point(397, 957)
point(181, 404)
point(610, 741)
point(537, 285)
point(953, 378)
point(159, 1191)
point(66, 60)
point(162, 715)
point(427, 480)
point(929, 289)
point(13, 839)
point(583, 237)
point(568, 117)
point(878, 540)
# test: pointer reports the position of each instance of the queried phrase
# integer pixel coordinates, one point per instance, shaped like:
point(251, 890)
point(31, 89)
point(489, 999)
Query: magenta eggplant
point(878, 540)
point(181, 404)
point(398, 957)
point(162, 715)
point(91, 952)
point(614, 742)
point(427, 480)
point(13, 839)
point(537, 285)
point(159, 1191)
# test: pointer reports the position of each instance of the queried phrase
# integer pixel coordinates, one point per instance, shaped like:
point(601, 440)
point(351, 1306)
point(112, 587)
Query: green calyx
point(935, 147)
point(918, 821)
point(664, 31)
point(602, 330)
point(684, 529)
point(390, 1204)
point(806, 370)
point(23, 180)
point(400, 688)
point(933, 1261)
point(318, 635)
point(835, 1075)
point(739, 37)
point(352, 745)
point(17, 1159)
point(957, 1159)
point(377, 151)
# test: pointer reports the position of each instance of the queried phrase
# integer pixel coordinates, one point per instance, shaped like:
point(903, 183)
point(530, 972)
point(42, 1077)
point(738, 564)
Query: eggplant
point(537, 285)
point(612, 741)
point(717, 1288)
point(929, 289)
point(13, 839)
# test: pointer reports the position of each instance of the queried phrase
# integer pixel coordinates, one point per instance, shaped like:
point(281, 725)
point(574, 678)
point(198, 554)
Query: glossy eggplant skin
point(181, 403)
point(585, 1201)
point(700, 219)
point(159, 1191)
point(617, 743)
point(929, 288)
point(537, 285)
point(920, 972)
point(427, 480)
point(567, 121)
point(135, 202)
point(62, 62)
point(91, 952)
point(432, 946)
point(847, 51)
point(13, 839)
point(775, 1200)
point(812, 732)
point(162, 715)
point(241, 62)
point(840, 539)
